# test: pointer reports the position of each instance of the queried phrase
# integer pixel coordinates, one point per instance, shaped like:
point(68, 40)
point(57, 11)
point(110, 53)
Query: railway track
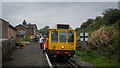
point(71, 63)
point(64, 64)
point(54, 63)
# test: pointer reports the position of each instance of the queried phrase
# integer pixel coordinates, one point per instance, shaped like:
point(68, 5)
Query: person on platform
point(35, 38)
point(41, 41)
point(46, 44)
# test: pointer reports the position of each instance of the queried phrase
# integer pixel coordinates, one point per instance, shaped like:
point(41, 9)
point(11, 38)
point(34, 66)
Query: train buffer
point(31, 55)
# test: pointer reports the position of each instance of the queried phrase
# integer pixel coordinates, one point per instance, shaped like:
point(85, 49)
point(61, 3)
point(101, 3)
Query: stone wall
point(7, 46)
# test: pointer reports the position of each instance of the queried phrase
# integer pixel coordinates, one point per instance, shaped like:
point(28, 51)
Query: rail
point(48, 60)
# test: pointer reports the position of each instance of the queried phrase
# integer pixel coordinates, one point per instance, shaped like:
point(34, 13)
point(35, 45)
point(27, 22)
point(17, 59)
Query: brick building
point(25, 30)
point(8, 31)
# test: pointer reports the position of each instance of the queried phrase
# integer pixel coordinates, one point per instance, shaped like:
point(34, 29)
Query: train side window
point(54, 36)
point(70, 36)
point(62, 36)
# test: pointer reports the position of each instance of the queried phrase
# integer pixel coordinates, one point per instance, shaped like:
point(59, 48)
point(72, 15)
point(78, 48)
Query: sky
point(60, 0)
point(52, 13)
point(0, 8)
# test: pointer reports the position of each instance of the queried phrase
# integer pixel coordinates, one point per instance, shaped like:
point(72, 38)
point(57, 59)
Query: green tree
point(44, 30)
point(98, 19)
point(87, 23)
point(111, 16)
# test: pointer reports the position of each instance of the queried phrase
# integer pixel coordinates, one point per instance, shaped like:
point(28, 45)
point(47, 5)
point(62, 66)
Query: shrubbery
point(111, 23)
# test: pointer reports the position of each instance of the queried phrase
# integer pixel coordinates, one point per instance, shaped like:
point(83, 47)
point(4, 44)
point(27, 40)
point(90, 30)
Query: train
point(62, 41)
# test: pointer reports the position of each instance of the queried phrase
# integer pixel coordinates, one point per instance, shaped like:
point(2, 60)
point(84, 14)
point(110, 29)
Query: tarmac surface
point(30, 55)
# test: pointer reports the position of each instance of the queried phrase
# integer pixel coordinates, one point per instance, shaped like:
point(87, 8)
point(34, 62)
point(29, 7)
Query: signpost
point(84, 38)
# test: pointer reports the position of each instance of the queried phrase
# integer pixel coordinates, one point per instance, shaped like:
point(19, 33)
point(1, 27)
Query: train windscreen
point(54, 36)
point(62, 36)
point(70, 36)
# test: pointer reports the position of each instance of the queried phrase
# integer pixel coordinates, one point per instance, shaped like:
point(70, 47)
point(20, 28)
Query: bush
point(117, 48)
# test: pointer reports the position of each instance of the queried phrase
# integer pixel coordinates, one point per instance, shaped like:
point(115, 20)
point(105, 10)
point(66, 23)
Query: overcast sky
point(60, 0)
point(51, 13)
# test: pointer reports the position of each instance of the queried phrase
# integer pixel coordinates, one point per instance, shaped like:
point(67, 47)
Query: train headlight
point(70, 47)
point(62, 47)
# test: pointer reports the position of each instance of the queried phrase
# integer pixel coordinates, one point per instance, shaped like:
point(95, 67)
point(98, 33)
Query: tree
point(77, 29)
point(98, 19)
point(44, 30)
point(87, 23)
point(111, 16)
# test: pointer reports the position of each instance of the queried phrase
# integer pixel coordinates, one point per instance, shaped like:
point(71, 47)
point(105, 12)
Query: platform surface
point(30, 55)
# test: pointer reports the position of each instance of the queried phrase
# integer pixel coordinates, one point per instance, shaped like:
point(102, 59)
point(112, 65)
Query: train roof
point(62, 26)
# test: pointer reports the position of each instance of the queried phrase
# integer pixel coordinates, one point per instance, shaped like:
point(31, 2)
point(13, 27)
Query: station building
point(7, 30)
point(26, 30)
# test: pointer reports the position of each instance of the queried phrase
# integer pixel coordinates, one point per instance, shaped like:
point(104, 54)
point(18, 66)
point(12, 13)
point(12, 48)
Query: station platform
point(31, 55)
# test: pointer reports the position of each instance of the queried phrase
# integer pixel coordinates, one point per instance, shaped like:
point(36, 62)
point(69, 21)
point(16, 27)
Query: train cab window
point(54, 36)
point(70, 36)
point(62, 36)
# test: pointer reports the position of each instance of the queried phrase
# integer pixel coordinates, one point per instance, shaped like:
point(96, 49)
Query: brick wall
point(4, 29)
point(7, 31)
point(0, 29)
point(29, 29)
point(30, 32)
point(20, 37)
point(12, 33)
point(35, 28)
point(20, 27)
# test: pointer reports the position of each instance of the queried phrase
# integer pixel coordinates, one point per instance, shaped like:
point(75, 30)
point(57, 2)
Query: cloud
point(51, 13)
point(0, 8)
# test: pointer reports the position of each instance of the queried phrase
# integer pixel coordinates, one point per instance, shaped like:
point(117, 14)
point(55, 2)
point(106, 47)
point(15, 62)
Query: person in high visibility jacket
point(23, 44)
point(46, 42)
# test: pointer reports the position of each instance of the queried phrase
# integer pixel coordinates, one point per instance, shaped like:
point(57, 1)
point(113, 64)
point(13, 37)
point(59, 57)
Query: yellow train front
point(62, 41)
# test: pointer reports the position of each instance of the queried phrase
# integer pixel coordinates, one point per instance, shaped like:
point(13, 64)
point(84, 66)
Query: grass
point(96, 60)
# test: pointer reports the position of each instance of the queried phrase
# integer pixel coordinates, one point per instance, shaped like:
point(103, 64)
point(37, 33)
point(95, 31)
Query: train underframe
point(61, 54)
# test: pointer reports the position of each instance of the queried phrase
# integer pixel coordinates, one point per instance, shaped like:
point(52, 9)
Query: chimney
point(24, 22)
